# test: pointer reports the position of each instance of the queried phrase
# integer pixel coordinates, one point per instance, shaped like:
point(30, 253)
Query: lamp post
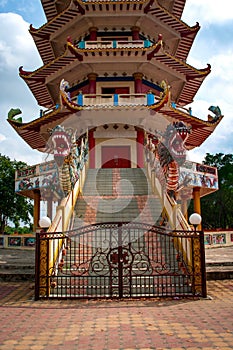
point(195, 220)
point(44, 223)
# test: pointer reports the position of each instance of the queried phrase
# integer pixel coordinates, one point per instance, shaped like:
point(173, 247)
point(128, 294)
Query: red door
point(116, 157)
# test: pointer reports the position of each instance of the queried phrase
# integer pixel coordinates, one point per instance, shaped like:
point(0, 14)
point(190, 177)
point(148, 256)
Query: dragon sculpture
point(69, 154)
point(13, 112)
point(166, 153)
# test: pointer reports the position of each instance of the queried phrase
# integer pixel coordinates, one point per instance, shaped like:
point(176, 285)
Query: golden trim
point(197, 120)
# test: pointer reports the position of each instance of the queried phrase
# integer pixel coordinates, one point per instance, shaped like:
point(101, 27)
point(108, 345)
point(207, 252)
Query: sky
point(213, 45)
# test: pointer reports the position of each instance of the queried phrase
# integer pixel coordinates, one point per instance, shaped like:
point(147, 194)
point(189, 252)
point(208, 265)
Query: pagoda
point(125, 74)
point(115, 90)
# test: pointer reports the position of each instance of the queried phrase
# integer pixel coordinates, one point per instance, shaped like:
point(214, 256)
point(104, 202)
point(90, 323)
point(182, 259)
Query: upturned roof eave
point(31, 134)
point(152, 52)
point(30, 131)
point(186, 42)
point(178, 8)
point(36, 79)
point(41, 35)
point(201, 129)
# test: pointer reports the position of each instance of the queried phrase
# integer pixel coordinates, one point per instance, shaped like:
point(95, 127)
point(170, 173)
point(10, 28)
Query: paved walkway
point(116, 325)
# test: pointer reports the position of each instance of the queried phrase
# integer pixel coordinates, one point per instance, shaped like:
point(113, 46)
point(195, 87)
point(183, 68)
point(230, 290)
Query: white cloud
point(207, 11)
point(16, 48)
point(222, 63)
point(2, 137)
point(213, 45)
point(16, 44)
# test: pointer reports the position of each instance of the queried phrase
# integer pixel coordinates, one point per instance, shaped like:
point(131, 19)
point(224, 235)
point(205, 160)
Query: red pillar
point(36, 210)
point(137, 82)
point(197, 203)
point(92, 83)
point(135, 33)
point(140, 148)
point(91, 140)
point(93, 33)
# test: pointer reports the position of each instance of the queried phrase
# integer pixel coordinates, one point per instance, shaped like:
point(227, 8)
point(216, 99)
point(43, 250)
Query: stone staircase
point(117, 195)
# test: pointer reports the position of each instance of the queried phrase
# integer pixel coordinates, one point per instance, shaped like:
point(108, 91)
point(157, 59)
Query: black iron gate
point(120, 260)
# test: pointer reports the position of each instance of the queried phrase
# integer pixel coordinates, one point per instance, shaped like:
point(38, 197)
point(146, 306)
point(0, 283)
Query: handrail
point(113, 44)
point(174, 215)
point(65, 209)
point(113, 100)
point(78, 102)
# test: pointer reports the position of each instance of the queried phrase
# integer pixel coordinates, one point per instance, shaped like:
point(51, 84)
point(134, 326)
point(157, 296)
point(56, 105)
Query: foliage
point(217, 208)
point(20, 230)
point(13, 207)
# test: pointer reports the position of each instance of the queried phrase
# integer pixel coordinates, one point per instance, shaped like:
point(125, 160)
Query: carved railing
point(114, 44)
point(112, 100)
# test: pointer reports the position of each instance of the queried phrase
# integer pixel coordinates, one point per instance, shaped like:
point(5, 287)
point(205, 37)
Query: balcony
point(114, 44)
point(114, 100)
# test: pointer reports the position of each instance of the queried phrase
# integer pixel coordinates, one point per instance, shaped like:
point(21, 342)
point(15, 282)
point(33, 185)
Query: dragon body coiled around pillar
point(69, 154)
point(166, 152)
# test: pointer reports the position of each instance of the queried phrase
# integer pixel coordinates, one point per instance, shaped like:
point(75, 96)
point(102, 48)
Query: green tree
point(13, 207)
point(218, 206)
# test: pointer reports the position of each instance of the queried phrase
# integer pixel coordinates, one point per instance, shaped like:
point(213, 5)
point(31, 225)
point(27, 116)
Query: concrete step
point(117, 195)
point(219, 271)
point(17, 267)
point(116, 181)
point(16, 275)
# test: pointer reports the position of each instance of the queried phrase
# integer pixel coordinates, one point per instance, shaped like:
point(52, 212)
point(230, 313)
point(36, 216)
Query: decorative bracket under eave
point(164, 98)
point(71, 48)
point(158, 46)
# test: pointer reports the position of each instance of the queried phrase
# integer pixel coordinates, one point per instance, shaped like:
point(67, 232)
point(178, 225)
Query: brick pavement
point(116, 325)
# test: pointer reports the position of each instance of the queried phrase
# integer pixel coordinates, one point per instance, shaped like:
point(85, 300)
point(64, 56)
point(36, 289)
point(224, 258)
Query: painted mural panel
point(199, 175)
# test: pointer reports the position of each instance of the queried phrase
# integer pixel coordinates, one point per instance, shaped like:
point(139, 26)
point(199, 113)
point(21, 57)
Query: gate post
point(37, 267)
point(199, 269)
point(203, 267)
point(41, 265)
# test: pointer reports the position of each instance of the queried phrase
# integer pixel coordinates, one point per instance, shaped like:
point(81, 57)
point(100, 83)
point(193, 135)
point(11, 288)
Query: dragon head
point(175, 136)
point(60, 144)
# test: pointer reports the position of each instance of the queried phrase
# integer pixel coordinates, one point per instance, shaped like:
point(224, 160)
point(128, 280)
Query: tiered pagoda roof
point(169, 41)
point(186, 79)
point(32, 134)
